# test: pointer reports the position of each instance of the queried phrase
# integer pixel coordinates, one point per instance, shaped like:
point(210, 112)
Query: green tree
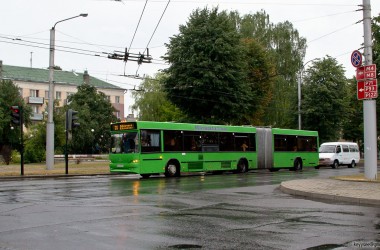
point(95, 115)
point(260, 73)
point(287, 48)
point(324, 95)
point(376, 60)
point(151, 101)
point(353, 126)
point(206, 78)
point(10, 133)
point(35, 139)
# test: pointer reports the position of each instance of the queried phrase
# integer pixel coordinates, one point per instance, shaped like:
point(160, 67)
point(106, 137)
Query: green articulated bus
point(151, 148)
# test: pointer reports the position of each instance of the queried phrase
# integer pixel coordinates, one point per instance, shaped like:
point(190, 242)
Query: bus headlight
point(135, 161)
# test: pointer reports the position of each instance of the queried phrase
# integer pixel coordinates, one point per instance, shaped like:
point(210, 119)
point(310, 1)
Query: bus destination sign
point(123, 126)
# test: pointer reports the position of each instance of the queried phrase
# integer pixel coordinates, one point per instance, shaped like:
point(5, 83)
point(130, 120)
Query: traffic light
point(71, 117)
point(16, 115)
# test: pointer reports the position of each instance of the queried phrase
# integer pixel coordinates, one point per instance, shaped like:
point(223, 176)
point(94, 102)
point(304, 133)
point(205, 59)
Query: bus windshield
point(327, 149)
point(124, 143)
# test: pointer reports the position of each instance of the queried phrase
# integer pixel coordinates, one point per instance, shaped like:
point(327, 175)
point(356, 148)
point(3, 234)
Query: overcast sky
point(330, 27)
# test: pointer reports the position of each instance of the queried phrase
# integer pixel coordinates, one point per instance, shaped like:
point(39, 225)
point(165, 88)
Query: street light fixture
point(50, 122)
point(299, 91)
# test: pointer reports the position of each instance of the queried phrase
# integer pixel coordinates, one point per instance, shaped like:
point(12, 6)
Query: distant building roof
point(42, 75)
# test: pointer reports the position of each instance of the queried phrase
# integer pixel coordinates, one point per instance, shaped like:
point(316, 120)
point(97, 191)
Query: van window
point(345, 148)
point(338, 149)
point(353, 148)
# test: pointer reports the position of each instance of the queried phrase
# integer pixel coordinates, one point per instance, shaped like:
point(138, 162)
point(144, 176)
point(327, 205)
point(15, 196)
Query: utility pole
point(369, 106)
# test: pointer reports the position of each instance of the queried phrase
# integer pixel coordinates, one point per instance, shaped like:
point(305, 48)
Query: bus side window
point(338, 150)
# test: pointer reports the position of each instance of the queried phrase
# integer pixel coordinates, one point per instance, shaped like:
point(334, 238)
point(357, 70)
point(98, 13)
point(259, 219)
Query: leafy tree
point(353, 126)
point(35, 139)
point(260, 78)
point(206, 79)
point(10, 133)
point(95, 115)
point(287, 48)
point(376, 60)
point(152, 103)
point(324, 105)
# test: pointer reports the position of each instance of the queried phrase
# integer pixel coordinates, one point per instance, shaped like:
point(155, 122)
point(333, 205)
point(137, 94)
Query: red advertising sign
point(367, 89)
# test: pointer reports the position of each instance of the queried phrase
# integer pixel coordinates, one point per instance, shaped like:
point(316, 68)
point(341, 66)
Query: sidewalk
point(353, 190)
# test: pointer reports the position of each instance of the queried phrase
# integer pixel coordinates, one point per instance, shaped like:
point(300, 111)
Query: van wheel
point(352, 165)
point(335, 164)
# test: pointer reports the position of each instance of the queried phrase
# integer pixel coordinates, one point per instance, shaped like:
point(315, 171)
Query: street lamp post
point(299, 91)
point(50, 122)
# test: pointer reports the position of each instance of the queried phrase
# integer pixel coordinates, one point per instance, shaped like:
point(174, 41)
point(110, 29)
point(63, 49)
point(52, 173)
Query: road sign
point(356, 58)
point(366, 72)
point(367, 89)
point(370, 71)
point(359, 73)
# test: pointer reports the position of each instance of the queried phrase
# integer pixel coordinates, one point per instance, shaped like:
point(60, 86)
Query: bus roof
point(203, 127)
point(186, 126)
point(294, 132)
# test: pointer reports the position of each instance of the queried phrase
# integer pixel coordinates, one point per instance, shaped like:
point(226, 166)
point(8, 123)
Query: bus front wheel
point(242, 166)
point(172, 170)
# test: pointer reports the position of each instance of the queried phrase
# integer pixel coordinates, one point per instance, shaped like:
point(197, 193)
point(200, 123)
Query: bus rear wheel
point(172, 170)
point(297, 166)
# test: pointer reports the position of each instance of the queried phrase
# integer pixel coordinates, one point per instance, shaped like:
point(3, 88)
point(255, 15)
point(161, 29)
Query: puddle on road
point(185, 246)
point(323, 247)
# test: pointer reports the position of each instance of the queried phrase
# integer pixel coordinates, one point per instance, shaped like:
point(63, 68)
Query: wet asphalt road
point(229, 211)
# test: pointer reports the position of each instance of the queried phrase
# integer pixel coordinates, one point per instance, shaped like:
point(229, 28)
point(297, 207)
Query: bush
point(15, 157)
point(33, 154)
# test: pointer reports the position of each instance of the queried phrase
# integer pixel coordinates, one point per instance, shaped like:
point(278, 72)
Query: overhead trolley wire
point(133, 38)
point(155, 29)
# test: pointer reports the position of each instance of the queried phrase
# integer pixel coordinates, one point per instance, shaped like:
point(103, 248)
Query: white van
point(335, 154)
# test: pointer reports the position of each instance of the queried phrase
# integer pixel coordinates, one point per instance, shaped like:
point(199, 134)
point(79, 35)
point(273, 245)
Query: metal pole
point(66, 153)
point(22, 138)
point(369, 106)
point(299, 92)
point(299, 99)
point(50, 122)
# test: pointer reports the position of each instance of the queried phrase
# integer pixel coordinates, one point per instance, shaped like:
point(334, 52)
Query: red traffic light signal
point(16, 115)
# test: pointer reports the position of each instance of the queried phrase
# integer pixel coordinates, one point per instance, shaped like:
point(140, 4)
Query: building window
point(47, 94)
point(58, 95)
point(108, 98)
point(33, 93)
point(35, 109)
point(117, 114)
point(117, 99)
point(20, 91)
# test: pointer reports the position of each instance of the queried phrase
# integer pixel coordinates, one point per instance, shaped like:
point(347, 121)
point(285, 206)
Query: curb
point(324, 193)
point(18, 177)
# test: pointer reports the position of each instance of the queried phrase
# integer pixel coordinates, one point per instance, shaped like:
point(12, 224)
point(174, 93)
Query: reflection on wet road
point(227, 211)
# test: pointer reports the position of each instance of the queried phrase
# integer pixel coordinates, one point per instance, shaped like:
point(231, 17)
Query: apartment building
point(34, 87)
